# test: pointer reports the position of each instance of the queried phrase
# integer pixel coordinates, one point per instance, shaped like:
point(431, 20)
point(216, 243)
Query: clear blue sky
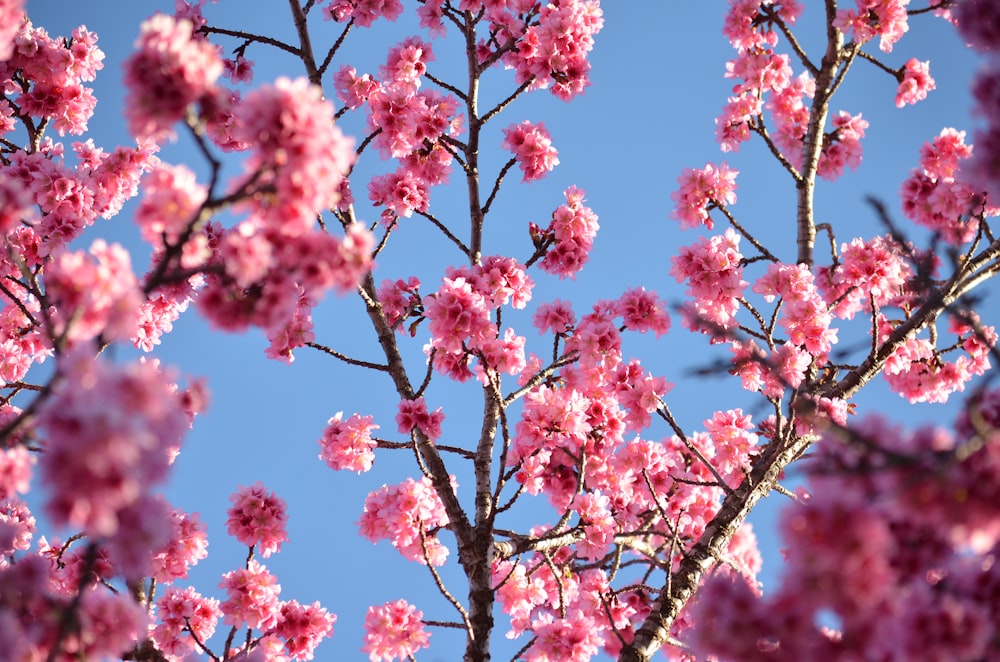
point(657, 87)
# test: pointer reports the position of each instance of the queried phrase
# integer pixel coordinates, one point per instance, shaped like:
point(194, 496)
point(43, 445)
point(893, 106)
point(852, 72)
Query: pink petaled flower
point(406, 515)
point(532, 148)
point(297, 150)
point(364, 12)
point(257, 518)
point(246, 254)
point(575, 638)
point(402, 193)
point(169, 71)
point(734, 439)
point(15, 470)
point(698, 190)
point(886, 19)
point(348, 444)
point(400, 300)
point(599, 526)
point(555, 49)
point(353, 90)
point(110, 432)
point(915, 84)
point(394, 631)
point(504, 354)
point(733, 125)
point(182, 613)
point(188, 545)
point(16, 205)
point(239, 70)
point(107, 624)
point(574, 227)
point(932, 195)
point(643, 311)
point(458, 314)
point(170, 202)
point(518, 593)
point(712, 267)
point(844, 148)
point(414, 414)
point(805, 314)
point(501, 280)
point(95, 293)
point(303, 627)
point(760, 70)
point(17, 526)
point(407, 62)
point(253, 597)
point(11, 18)
point(877, 269)
point(556, 316)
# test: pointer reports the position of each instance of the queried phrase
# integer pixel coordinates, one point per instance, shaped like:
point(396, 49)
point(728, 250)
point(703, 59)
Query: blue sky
point(657, 87)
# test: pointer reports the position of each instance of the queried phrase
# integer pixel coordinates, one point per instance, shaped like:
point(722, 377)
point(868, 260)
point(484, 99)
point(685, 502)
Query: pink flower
point(303, 627)
point(253, 597)
point(414, 414)
point(699, 190)
point(915, 84)
point(188, 545)
point(532, 148)
point(181, 613)
point(348, 444)
point(170, 70)
point(394, 631)
point(110, 433)
point(364, 12)
point(257, 518)
point(11, 16)
point(405, 514)
point(556, 317)
point(886, 19)
point(573, 229)
point(297, 149)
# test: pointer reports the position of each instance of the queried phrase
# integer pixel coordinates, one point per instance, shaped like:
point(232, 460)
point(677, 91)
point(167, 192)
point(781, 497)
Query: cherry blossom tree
point(639, 539)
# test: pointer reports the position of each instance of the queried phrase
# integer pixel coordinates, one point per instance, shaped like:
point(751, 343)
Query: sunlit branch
point(347, 359)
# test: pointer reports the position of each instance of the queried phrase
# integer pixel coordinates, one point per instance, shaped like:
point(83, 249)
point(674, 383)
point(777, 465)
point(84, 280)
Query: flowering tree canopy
point(568, 509)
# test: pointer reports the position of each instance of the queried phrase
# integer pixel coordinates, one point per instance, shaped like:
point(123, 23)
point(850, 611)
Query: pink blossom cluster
point(699, 191)
point(977, 23)
point(934, 195)
point(413, 415)
point(299, 157)
point(917, 370)
point(348, 444)
point(571, 235)
point(188, 544)
point(406, 123)
point(915, 82)
point(11, 17)
point(408, 515)
point(45, 76)
point(170, 70)
point(713, 270)
point(394, 631)
point(303, 627)
point(257, 519)
point(110, 433)
point(805, 314)
point(459, 318)
point(362, 12)
point(252, 597)
point(876, 270)
point(885, 19)
point(532, 148)
point(184, 618)
point(842, 147)
point(748, 27)
point(882, 546)
point(552, 53)
point(93, 293)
